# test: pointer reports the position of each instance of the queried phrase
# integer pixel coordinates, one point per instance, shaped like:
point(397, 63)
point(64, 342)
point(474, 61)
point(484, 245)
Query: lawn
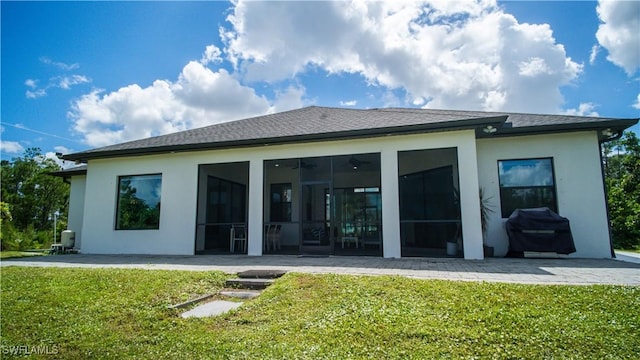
point(19, 254)
point(108, 313)
point(637, 250)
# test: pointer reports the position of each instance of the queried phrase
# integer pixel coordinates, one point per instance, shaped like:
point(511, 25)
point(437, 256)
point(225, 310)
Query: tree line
point(31, 196)
point(31, 201)
point(622, 178)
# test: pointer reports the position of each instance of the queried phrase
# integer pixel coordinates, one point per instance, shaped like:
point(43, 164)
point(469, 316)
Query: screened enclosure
point(429, 201)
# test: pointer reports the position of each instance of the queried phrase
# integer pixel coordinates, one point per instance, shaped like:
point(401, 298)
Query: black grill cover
point(539, 229)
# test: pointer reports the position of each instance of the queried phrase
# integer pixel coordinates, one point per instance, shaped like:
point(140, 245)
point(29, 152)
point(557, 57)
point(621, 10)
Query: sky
point(80, 75)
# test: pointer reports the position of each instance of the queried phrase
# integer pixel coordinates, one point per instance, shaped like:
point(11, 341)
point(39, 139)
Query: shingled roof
point(72, 171)
point(316, 123)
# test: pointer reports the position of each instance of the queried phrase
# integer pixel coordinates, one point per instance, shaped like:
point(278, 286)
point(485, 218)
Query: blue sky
point(79, 75)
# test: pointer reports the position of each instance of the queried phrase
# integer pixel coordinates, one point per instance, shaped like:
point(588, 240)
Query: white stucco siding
point(256, 197)
point(469, 199)
point(579, 187)
point(391, 245)
point(176, 234)
point(76, 208)
point(177, 214)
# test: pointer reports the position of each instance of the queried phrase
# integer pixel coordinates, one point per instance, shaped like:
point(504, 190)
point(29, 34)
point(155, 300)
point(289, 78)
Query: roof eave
point(607, 129)
point(350, 134)
point(66, 175)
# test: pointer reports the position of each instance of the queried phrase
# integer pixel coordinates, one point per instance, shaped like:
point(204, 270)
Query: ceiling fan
point(304, 165)
point(356, 163)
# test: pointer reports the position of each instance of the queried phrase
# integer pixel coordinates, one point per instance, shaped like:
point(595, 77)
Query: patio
point(531, 271)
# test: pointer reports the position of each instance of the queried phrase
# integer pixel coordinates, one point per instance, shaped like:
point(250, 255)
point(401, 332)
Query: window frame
point(280, 204)
point(117, 225)
point(552, 187)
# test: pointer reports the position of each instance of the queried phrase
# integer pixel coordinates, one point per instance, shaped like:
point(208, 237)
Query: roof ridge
point(319, 123)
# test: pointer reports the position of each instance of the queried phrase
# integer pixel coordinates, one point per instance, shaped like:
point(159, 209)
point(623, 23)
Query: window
point(527, 183)
point(226, 201)
point(281, 202)
point(139, 202)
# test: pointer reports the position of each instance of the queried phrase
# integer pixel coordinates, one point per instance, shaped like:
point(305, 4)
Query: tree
point(32, 196)
point(622, 177)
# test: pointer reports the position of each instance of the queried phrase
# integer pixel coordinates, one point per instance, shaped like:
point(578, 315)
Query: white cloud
point(584, 109)
point(53, 156)
point(636, 105)
point(417, 101)
point(198, 97)
point(35, 94)
point(62, 149)
point(533, 67)
point(452, 54)
point(65, 82)
point(349, 103)
point(434, 54)
point(11, 147)
point(619, 32)
point(211, 55)
point(292, 98)
point(594, 54)
point(60, 65)
point(31, 83)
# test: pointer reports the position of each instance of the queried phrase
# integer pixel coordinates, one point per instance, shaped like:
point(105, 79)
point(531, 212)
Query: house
point(381, 182)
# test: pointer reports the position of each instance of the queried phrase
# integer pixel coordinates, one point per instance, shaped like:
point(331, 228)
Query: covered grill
point(538, 229)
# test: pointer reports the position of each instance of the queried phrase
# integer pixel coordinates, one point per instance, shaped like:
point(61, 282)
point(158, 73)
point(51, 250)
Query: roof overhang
point(606, 130)
point(476, 124)
point(68, 173)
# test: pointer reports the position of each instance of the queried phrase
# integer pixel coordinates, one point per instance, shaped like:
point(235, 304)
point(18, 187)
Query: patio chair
point(265, 241)
point(274, 236)
point(238, 235)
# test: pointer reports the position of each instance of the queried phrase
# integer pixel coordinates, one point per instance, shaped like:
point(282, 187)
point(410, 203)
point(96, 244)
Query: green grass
point(631, 250)
point(107, 313)
point(19, 254)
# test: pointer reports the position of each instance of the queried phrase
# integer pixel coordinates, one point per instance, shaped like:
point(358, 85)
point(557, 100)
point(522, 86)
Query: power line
point(22, 127)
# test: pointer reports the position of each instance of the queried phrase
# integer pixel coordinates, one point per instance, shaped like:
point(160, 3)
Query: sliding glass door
point(316, 218)
point(324, 205)
point(429, 202)
point(315, 207)
point(222, 204)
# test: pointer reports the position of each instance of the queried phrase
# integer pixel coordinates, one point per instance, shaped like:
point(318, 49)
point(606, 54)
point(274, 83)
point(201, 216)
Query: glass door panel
point(316, 217)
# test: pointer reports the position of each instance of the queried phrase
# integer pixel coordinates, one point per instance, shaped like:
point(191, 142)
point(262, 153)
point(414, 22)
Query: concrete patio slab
point(213, 308)
point(628, 256)
point(529, 271)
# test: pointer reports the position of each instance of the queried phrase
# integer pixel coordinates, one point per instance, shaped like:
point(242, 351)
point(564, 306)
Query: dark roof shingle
point(321, 123)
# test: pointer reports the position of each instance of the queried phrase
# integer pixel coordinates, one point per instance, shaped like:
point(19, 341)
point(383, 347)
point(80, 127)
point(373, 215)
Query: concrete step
point(241, 294)
point(261, 274)
point(191, 301)
point(254, 284)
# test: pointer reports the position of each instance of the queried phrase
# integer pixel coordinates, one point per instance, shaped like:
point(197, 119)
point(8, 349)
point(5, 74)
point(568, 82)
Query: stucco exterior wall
point(579, 187)
point(177, 214)
point(76, 207)
point(176, 234)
